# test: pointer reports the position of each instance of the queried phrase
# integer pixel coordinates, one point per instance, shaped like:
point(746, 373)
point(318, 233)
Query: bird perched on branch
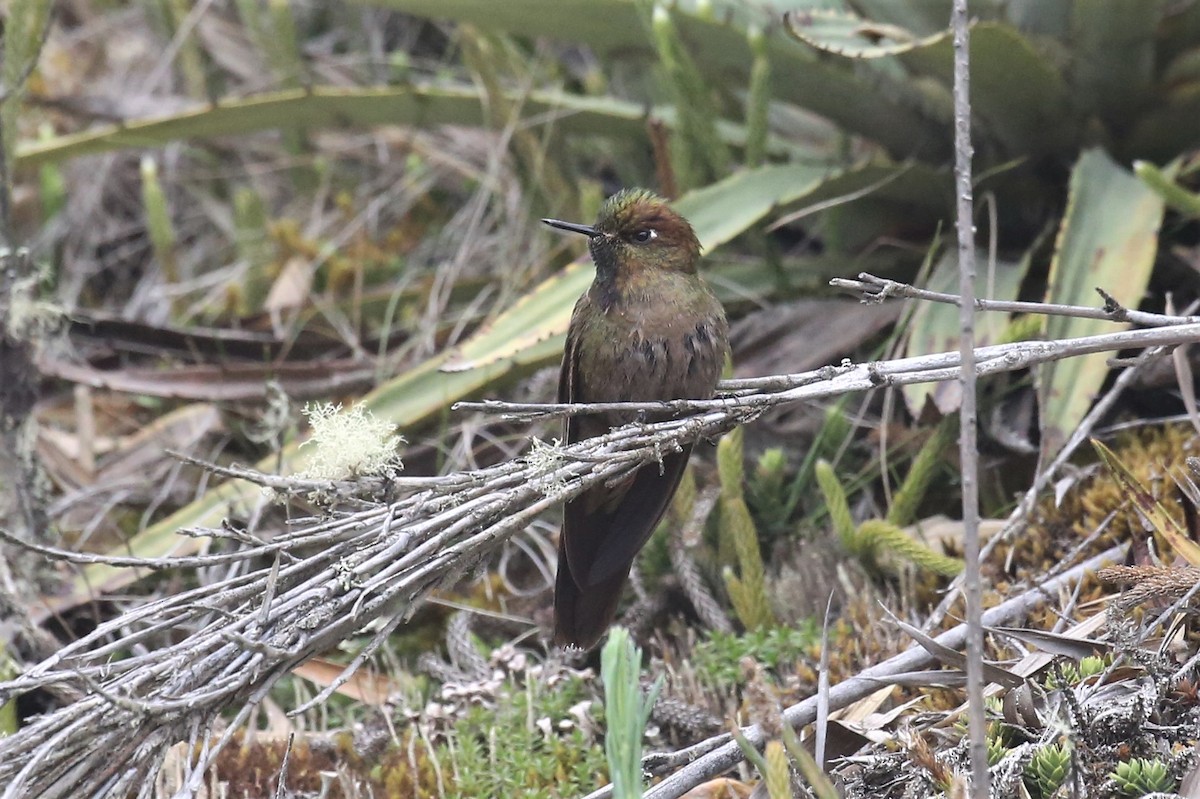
point(648, 328)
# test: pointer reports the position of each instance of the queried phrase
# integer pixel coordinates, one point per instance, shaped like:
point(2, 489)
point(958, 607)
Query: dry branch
point(312, 587)
point(876, 289)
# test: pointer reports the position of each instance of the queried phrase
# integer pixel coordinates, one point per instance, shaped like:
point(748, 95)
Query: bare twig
point(822, 726)
point(761, 393)
point(968, 447)
point(877, 289)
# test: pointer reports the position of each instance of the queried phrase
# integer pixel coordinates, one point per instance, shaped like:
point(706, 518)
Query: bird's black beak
point(586, 230)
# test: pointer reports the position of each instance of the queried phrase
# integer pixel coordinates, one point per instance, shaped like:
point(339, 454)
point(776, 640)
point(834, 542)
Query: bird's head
point(636, 231)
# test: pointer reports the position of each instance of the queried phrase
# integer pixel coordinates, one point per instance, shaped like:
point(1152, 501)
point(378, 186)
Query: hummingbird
point(648, 328)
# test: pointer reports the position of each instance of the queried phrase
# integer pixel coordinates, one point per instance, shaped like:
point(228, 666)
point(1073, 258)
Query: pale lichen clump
point(30, 318)
point(548, 459)
point(350, 444)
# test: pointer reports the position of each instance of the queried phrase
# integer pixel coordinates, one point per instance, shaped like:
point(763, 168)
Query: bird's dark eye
point(643, 236)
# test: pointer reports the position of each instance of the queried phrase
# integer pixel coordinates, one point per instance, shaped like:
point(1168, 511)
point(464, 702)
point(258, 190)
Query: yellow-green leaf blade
point(1108, 239)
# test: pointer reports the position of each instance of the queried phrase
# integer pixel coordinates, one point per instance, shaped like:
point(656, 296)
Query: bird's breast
point(642, 355)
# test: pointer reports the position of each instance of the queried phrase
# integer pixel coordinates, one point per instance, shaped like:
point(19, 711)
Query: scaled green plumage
point(648, 328)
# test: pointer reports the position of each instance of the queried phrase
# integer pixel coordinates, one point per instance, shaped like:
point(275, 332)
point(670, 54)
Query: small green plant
point(699, 155)
point(746, 588)
point(873, 536)
point(1141, 776)
point(525, 742)
point(9, 721)
point(1092, 665)
point(1048, 768)
point(921, 471)
point(51, 181)
point(999, 735)
point(822, 787)
point(996, 750)
point(774, 765)
point(1071, 674)
point(254, 249)
point(778, 775)
point(766, 492)
point(777, 648)
point(158, 220)
point(627, 710)
point(1066, 676)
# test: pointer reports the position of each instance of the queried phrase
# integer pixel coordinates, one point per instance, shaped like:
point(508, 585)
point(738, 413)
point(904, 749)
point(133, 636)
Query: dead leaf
point(365, 685)
point(720, 788)
point(806, 334)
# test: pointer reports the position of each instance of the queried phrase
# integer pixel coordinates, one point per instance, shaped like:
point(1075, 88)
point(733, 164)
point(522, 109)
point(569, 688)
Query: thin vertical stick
point(967, 436)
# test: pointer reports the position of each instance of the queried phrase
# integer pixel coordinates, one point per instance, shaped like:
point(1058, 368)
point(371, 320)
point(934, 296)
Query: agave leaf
point(911, 184)
point(542, 315)
point(935, 326)
point(720, 46)
point(322, 107)
point(886, 197)
point(1014, 89)
point(739, 281)
point(1183, 68)
point(1170, 128)
point(924, 17)
point(1113, 56)
point(847, 34)
point(1051, 20)
point(1108, 239)
point(1180, 31)
point(725, 209)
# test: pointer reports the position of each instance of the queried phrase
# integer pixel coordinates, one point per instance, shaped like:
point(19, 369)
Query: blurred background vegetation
point(239, 206)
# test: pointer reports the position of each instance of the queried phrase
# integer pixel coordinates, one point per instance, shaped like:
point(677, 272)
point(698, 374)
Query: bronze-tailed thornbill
point(649, 328)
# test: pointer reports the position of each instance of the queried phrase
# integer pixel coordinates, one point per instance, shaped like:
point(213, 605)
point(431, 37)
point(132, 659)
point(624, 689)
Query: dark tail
point(583, 620)
point(603, 531)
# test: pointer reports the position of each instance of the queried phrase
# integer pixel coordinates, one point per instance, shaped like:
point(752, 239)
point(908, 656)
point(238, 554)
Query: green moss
point(496, 751)
point(776, 648)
